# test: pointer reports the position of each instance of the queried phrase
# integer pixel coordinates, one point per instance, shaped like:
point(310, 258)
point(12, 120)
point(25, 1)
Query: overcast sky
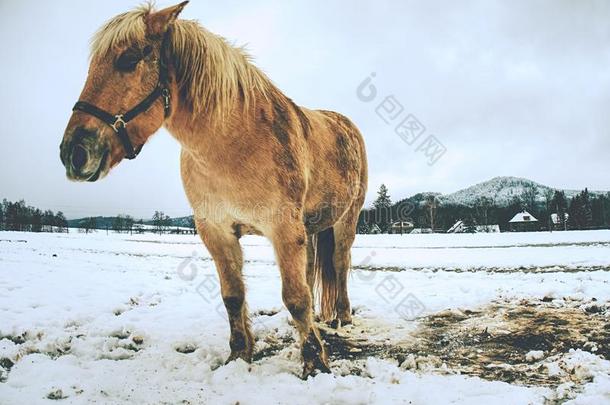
point(516, 88)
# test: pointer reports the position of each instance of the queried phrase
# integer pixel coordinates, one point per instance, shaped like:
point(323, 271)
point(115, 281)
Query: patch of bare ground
point(520, 342)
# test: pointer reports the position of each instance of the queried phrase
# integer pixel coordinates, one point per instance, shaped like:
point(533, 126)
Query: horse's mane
point(212, 75)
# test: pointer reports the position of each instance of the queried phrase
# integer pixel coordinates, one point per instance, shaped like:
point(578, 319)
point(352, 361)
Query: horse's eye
point(128, 60)
point(146, 51)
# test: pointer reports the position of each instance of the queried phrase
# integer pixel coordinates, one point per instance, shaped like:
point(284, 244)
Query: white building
point(523, 221)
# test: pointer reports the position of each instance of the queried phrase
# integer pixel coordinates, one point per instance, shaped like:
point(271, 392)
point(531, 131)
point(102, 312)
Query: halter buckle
point(165, 94)
point(118, 121)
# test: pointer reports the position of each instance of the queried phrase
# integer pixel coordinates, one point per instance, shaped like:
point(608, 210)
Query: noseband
point(118, 122)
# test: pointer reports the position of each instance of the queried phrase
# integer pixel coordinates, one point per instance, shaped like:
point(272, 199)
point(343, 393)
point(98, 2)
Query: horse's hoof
point(239, 355)
point(346, 321)
point(314, 356)
point(312, 367)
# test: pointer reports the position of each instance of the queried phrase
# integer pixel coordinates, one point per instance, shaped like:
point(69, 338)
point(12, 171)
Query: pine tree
point(530, 197)
point(48, 218)
point(383, 198)
point(61, 222)
point(36, 221)
point(587, 210)
point(383, 206)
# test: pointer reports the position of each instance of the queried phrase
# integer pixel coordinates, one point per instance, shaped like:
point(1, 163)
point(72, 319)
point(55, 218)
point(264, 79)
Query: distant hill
point(501, 190)
point(102, 222)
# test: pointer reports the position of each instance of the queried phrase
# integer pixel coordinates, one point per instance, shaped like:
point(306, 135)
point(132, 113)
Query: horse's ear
point(158, 22)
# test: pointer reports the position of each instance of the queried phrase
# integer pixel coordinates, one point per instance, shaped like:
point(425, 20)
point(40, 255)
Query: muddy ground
point(518, 342)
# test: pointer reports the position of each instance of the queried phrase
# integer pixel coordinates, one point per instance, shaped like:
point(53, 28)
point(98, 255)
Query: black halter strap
point(118, 122)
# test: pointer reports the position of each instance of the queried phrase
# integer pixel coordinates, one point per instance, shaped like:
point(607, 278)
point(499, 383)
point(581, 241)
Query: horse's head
point(125, 99)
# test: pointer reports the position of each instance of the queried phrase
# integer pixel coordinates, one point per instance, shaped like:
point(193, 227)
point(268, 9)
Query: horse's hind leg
point(223, 245)
point(345, 233)
point(290, 244)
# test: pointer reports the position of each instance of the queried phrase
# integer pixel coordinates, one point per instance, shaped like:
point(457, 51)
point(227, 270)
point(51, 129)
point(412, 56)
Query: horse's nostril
point(79, 157)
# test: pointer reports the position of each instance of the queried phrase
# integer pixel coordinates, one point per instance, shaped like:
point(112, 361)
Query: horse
point(251, 161)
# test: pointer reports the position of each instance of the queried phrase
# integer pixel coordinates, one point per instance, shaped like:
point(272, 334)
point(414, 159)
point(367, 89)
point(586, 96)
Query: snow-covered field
point(510, 318)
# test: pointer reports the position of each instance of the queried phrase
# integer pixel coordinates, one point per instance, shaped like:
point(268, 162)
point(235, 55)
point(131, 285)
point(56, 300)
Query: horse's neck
point(197, 133)
point(200, 131)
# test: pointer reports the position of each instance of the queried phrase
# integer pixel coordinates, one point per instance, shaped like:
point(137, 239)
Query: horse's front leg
point(223, 245)
point(290, 244)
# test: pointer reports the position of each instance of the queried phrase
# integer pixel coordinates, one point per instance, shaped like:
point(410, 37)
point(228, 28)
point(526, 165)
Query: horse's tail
point(324, 273)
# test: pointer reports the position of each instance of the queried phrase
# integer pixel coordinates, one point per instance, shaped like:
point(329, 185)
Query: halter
point(119, 122)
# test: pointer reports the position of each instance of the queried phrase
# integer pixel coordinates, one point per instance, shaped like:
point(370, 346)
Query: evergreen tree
point(530, 197)
point(586, 209)
point(48, 218)
point(61, 222)
point(36, 221)
point(383, 209)
point(383, 198)
point(560, 205)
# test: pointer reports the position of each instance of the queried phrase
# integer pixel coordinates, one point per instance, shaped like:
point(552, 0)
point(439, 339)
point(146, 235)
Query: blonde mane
point(213, 76)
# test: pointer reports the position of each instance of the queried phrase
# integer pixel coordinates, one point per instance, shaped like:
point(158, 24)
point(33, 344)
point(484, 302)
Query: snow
point(138, 318)
point(534, 355)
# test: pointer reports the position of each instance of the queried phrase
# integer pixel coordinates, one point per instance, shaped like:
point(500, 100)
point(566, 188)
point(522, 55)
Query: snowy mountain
point(502, 191)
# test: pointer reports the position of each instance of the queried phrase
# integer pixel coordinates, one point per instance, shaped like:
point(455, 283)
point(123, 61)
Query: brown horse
point(252, 161)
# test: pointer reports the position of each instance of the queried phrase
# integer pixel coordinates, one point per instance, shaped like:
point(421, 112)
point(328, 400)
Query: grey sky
point(510, 88)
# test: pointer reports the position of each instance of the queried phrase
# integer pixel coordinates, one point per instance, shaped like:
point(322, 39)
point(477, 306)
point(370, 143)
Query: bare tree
point(431, 207)
point(482, 205)
point(161, 221)
point(90, 224)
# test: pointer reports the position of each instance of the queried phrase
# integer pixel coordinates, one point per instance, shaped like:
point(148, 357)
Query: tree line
point(161, 223)
point(582, 211)
point(17, 216)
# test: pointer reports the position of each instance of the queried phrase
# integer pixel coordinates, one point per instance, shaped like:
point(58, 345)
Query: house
point(402, 227)
point(460, 227)
point(523, 222)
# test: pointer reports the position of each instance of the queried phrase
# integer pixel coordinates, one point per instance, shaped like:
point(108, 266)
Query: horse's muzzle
point(83, 155)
